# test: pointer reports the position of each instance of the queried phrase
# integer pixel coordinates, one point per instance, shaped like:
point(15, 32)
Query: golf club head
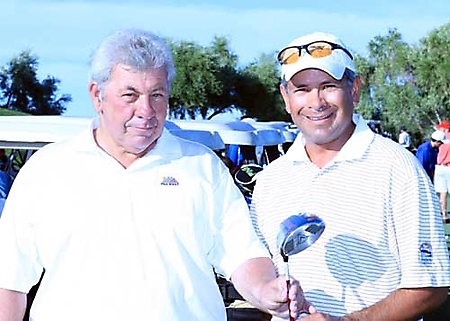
point(298, 232)
point(245, 177)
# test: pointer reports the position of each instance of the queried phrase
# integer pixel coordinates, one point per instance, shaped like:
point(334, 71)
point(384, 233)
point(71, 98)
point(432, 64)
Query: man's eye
point(330, 86)
point(130, 97)
point(158, 96)
point(301, 89)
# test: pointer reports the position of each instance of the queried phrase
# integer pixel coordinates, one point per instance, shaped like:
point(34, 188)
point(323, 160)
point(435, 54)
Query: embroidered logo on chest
point(169, 180)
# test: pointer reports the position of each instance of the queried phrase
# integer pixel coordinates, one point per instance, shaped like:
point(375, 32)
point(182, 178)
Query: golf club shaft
point(288, 285)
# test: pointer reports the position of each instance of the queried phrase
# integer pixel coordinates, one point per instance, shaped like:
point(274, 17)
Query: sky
point(63, 34)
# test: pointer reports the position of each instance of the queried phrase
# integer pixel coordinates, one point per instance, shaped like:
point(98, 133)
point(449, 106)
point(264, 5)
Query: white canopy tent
point(23, 135)
point(236, 132)
point(33, 132)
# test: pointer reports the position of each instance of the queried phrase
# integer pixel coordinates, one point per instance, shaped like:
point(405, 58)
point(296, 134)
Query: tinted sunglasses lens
point(319, 49)
point(289, 56)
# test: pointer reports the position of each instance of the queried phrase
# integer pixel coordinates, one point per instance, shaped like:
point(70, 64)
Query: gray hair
point(135, 48)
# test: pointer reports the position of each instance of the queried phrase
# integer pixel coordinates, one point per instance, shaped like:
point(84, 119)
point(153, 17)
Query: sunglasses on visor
point(316, 49)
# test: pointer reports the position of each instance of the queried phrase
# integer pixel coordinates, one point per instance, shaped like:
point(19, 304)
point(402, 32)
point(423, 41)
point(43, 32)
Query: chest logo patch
point(426, 253)
point(169, 180)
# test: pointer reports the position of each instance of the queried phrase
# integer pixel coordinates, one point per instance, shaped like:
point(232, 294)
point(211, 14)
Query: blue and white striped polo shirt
point(383, 225)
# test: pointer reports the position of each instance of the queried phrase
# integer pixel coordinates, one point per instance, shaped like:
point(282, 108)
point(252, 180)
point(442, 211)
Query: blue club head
point(298, 232)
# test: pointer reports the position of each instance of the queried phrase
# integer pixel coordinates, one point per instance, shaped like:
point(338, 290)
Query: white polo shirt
point(383, 228)
point(124, 244)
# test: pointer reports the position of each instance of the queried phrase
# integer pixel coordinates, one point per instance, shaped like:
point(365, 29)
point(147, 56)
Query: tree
point(407, 85)
point(432, 68)
point(258, 89)
point(210, 82)
point(366, 106)
point(21, 90)
point(390, 91)
point(227, 74)
point(205, 79)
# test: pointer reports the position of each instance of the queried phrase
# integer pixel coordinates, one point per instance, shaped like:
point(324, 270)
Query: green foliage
point(433, 73)
point(195, 80)
point(7, 112)
point(407, 85)
point(259, 90)
point(210, 82)
point(20, 89)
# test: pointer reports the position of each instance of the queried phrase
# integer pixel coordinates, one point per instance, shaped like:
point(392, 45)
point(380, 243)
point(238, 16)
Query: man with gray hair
point(128, 221)
point(382, 254)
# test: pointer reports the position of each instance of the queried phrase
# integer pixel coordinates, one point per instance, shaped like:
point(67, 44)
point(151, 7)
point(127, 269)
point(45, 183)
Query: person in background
point(427, 152)
point(382, 254)
point(404, 139)
point(128, 221)
point(442, 170)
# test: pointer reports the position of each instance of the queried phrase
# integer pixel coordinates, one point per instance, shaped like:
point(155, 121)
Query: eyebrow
point(131, 88)
point(156, 88)
point(324, 82)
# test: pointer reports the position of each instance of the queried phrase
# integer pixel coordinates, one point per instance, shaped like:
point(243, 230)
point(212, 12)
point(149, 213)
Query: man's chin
point(139, 146)
point(317, 138)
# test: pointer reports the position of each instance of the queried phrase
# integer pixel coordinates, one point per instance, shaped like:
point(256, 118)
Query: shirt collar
point(167, 145)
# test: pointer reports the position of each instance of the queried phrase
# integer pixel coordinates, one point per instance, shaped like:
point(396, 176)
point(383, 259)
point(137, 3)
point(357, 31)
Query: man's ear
point(356, 90)
point(94, 93)
point(284, 94)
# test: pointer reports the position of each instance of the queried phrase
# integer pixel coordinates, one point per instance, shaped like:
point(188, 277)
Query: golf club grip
point(288, 285)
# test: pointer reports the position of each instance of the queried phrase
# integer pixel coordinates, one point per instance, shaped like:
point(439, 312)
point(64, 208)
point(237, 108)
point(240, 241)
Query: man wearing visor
point(382, 255)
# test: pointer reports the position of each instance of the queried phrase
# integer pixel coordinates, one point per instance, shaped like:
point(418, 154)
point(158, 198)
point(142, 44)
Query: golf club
point(297, 233)
point(245, 177)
